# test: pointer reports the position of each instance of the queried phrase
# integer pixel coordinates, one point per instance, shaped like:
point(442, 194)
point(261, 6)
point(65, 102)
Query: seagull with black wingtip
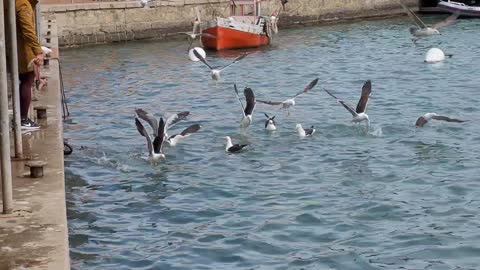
point(233, 148)
point(359, 114)
point(286, 104)
point(303, 132)
point(422, 120)
point(173, 140)
point(248, 109)
point(270, 124)
point(155, 153)
point(215, 72)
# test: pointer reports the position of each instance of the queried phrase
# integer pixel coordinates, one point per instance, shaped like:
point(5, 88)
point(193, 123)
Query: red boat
point(244, 29)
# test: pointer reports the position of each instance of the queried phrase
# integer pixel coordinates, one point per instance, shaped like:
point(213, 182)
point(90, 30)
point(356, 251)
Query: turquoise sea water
point(393, 198)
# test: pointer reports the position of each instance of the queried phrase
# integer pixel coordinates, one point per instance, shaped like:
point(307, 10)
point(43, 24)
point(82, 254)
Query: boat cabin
point(245, 8)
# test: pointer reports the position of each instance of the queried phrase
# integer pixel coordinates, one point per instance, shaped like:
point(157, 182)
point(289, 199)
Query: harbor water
point(392, 197)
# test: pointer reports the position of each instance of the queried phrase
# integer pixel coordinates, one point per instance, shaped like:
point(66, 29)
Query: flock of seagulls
point(159, 135)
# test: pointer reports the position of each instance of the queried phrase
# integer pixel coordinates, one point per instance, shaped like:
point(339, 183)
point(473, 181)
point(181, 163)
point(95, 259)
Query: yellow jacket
point(27, 42)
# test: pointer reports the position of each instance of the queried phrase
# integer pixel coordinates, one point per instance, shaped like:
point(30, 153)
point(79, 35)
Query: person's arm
point(27, 29)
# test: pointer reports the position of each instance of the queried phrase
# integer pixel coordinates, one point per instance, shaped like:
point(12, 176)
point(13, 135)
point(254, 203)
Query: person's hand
point(39, 59)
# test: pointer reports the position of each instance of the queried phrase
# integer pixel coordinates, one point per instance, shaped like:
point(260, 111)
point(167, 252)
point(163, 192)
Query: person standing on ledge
point(29, 54)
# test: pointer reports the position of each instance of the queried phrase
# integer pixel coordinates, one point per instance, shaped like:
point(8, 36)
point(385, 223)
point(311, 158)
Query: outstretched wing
point(239, 99)
point(270, 102)
point(199, 56)
point(348, 107)
point(158, 142)
point(416, 20)
point(448, 119)
point(307, 88)
point(450, 20)
point(235, 61)
point(150, 119)
point(143, 132)
point(190, 130)
point(362, 103)
point(175, 118)
point(250, 100)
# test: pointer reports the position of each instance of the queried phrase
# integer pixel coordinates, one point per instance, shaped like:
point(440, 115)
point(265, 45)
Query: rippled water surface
point(393, 198)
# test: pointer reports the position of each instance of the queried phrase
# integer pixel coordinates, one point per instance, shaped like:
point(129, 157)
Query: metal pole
point(13, 66)
point(38, 19)
point(6, 165)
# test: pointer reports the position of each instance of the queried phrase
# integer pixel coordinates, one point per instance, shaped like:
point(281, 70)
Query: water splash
point(376, 131)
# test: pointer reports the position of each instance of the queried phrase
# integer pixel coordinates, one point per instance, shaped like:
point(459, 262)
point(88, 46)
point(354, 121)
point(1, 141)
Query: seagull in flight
point(215, 72)
point(155, 153)
point(233, 148)
point(358, 114)
point(422, 30)
point(422, 120)
point(270, 123)
point(196, 30)
point(286, 104)
point(248, 110)
point(304, 132)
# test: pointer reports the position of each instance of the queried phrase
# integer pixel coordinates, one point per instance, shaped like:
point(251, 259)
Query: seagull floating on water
point(215, 72)
point(304, 132)
point(233, 148)
point(154, 148)
point(173, 140)
point(358, 114)
point(248, 110)
point(422, 120)
point(270, 123)
point(286, 104)
point(423, 30)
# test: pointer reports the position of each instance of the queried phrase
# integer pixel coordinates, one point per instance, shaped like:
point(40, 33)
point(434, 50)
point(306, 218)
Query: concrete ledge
point(35, 236)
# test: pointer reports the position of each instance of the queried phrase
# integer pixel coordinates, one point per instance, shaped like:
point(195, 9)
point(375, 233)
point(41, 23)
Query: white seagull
point(196, 30)
point(233, 148)
point(270, 123)
point(304, 132)
point(173, 140)
point(215, 72)
point(154, 148)
point(422, 30)
point(358, 114)
point(286, 104)
point(248, 110)
point(422, 120)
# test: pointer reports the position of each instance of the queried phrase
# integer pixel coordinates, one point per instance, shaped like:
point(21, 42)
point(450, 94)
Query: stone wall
point(92, 23)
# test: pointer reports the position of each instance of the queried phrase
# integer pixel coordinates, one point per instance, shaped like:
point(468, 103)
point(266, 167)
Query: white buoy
point(193, 57)
point(434, 55)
